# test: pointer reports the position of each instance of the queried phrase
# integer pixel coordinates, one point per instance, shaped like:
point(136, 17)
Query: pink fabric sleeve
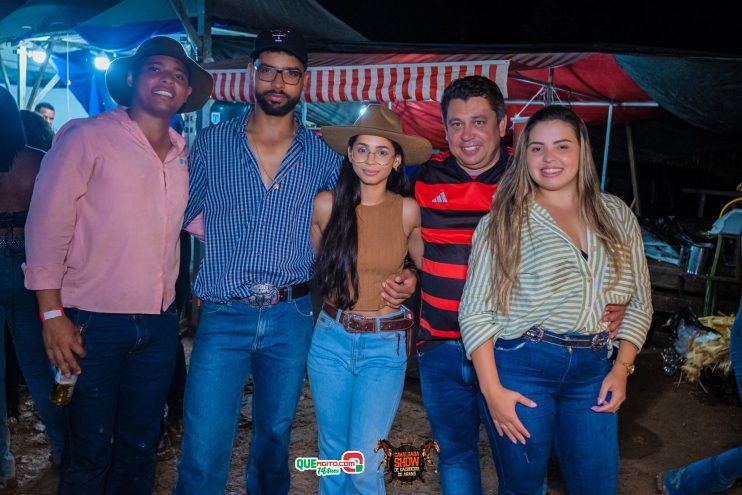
point(62, 181)
point(196, 227)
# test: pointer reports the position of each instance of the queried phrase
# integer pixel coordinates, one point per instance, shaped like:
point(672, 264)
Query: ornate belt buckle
point(600, 340)
point(535, 333)
point(262, 295)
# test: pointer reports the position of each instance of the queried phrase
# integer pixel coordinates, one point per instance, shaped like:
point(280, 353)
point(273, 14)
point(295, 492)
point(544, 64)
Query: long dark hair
point(336, 268)
point(12, 139)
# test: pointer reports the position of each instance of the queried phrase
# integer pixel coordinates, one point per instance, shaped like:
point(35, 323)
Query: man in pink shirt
point(102, 254)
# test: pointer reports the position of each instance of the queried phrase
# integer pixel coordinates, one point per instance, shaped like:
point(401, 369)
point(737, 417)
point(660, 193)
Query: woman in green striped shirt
point(550, 255)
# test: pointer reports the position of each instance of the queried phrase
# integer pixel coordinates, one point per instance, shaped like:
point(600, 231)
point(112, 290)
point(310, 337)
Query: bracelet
point(54, 313)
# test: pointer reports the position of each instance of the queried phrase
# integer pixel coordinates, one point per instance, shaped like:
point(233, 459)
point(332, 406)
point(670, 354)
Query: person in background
point(19, 312)
point(550, 255)
point(39, 133)
point(103, 234)
point(46, 110)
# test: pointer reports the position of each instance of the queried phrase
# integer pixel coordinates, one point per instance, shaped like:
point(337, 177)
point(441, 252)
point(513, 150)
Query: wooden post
point(632, 167)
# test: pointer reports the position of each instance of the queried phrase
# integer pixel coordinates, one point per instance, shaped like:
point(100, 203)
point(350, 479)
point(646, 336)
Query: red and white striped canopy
point(378, 83)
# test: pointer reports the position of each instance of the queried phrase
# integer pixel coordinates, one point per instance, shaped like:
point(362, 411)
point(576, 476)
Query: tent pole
point(609, 123)
point(206, 8)
point(639, 104)
point(182, 14)
point(22, 61)
point(632, 167)
point(48, 86)
point(39, 77)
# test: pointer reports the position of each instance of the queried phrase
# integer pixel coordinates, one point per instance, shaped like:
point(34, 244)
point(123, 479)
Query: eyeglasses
point(361, 154)
point(268, 74)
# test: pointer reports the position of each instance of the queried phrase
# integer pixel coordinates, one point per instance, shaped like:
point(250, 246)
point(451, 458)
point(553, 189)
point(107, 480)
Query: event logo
point(351, 463)
point(406, 463)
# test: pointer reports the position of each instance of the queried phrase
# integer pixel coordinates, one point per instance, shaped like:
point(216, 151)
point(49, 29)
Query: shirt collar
point(119, 115)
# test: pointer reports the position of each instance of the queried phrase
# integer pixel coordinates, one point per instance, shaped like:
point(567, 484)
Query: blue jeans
point(18, 309)
point(565, 383)
point(357, 381)
point(717, 473)
point(455, 409)
point(113, 420)
point(234, 341)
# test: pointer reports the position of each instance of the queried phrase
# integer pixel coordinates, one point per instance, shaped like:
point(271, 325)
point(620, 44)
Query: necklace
point(263, 170)
point(260, 165)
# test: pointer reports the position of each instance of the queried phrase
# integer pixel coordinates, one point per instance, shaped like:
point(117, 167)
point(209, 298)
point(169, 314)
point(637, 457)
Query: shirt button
point(589, 279)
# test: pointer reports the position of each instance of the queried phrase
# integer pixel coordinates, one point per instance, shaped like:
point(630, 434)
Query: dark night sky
point(703, 27)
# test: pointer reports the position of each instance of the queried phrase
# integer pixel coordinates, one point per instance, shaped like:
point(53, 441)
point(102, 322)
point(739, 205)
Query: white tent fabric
point(379, 83)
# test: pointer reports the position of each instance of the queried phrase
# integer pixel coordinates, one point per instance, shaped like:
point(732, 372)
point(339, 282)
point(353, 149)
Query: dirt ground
point(662, 425)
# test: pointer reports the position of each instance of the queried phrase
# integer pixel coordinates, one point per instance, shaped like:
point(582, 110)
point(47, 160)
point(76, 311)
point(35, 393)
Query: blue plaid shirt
point(254, 234)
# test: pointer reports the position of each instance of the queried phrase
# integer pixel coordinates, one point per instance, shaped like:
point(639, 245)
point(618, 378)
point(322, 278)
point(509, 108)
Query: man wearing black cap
point(102, 254)
point(253, 181)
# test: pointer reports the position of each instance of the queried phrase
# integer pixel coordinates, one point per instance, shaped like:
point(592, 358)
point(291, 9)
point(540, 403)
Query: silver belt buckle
point(262, 295)
point(599, 341)
point(535, 334)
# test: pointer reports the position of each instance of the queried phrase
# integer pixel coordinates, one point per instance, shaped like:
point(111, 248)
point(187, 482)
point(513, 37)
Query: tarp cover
point(705, 92)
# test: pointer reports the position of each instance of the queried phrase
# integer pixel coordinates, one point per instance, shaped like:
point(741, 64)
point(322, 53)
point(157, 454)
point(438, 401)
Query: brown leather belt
point(355, 323)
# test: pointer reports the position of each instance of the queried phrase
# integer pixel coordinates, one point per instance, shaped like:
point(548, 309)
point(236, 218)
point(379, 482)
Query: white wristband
point(54, 313)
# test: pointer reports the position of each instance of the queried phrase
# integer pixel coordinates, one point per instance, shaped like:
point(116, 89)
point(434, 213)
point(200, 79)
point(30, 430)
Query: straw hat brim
point(199, 79)
point(417, 150)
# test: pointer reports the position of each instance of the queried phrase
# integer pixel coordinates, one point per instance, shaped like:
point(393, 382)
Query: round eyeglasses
point(362, 153)
point(268, 74)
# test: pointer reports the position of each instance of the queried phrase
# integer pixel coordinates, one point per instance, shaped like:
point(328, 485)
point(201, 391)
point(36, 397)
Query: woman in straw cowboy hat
point(362, 232)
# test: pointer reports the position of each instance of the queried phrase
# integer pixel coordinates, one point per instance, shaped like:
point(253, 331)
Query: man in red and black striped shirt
point(454, 190)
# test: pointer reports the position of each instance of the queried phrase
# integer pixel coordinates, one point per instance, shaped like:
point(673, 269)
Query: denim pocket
point(324, 321)
point(303, 306)
point(79, 317)
point(210, 308)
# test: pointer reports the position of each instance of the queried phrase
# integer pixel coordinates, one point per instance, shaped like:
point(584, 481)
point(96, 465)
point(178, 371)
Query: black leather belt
point(595, 342)
point(264, 295)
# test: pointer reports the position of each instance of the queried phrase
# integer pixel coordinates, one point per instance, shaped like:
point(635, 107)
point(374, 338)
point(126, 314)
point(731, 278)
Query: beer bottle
point(61, 394)
point(63, 387)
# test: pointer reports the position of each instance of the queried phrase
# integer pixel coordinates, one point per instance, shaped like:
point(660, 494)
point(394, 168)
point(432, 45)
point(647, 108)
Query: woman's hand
point(615, 383)
point(501, 404)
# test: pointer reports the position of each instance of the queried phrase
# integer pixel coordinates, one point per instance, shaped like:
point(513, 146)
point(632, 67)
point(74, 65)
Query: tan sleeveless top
point(382, 247)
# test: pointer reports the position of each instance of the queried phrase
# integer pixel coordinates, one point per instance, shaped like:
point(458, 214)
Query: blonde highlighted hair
point(515, 192)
